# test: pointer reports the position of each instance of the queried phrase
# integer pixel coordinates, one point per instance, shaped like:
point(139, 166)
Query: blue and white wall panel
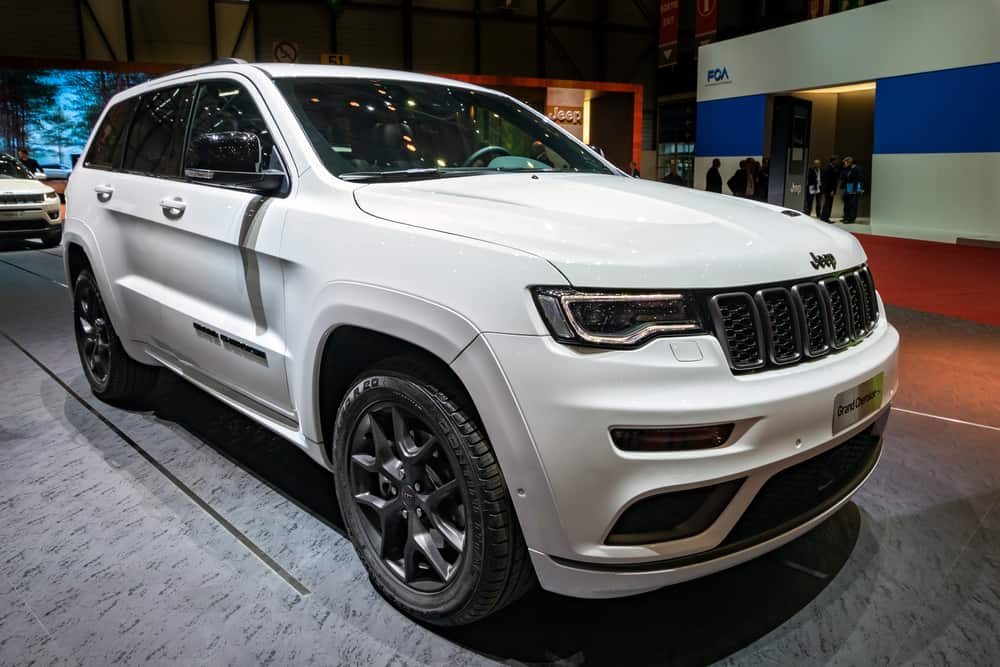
point(936, 170)
point(730, 129)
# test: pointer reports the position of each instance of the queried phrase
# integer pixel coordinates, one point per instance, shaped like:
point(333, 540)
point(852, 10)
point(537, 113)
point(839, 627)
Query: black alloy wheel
point(93, 333)
point(113, 376)
point(423, 497)
point(406, 485)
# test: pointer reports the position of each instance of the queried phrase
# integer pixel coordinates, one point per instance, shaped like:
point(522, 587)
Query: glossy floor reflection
point(105, 559)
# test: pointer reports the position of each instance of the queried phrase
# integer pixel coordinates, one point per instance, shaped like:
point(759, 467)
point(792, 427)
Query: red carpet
point(953, 280)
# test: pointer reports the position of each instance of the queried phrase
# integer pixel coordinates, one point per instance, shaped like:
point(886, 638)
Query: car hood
point(22, 186)
point(613, 231)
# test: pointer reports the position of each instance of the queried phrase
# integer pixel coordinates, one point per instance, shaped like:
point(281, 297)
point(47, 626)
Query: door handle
point(173, 208)
point(104, 192)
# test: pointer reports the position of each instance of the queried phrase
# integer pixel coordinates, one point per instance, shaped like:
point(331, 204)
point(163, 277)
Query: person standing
point(713, 179)
point(738, 181)
point(672, 177)
point(853, 185)
point(762, 179)
point(828, 186)
point(634, 169)
point(814, 182)
point(751, 168)
point(29, 163)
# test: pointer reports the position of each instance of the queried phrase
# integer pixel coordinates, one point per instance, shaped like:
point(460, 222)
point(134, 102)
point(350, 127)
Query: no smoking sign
point(285, 52)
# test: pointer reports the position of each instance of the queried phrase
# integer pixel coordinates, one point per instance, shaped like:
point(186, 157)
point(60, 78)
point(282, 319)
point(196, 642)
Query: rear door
point(216, 271)
point(104, 200)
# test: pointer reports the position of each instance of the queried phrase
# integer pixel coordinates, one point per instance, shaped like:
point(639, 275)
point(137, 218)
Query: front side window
point(362, 127)
point(12, 168)
point(156, 138)
point(108, 138)
point(225, 107)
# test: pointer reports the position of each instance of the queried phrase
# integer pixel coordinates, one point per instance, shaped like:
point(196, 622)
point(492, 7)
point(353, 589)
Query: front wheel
point(423, 497)
point(52, 239)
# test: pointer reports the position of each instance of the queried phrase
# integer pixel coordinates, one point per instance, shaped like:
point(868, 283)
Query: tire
point(52, 239)
point(396, 524)
point(114, 376)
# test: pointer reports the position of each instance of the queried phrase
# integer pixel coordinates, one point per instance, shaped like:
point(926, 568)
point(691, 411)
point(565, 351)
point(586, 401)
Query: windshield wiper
point(398, 174)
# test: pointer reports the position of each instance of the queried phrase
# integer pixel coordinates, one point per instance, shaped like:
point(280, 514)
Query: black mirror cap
point(235, 159)
point(232, 151)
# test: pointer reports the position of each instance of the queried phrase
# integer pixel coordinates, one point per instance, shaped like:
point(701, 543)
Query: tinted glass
point(156, 139)
point(364, 125)
point(108, 138)
point(11, 168)
point(226, 106)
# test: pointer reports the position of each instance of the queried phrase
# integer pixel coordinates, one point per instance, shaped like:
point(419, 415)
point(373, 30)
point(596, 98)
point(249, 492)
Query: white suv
point(28, 207)
point(517, 362)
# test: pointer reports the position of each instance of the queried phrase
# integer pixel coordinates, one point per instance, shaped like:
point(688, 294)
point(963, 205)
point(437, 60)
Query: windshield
point(11, 168)
point(363, 128)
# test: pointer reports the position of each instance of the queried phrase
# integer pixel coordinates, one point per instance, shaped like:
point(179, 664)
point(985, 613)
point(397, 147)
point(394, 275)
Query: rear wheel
point(113, 375)
point(424, 499)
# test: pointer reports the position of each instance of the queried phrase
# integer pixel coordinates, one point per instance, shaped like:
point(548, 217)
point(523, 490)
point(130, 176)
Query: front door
point(211, 252)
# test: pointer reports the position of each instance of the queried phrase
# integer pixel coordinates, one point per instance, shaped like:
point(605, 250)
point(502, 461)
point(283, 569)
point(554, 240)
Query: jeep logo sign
point(823, 261)
point(718, 75)
point(565, 115)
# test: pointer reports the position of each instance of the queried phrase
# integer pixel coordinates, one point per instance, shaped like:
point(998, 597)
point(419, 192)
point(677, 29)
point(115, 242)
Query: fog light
point(671, 439)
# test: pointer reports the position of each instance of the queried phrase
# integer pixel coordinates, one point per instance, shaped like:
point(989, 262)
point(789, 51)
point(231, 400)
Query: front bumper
point(30, 221)
point(763, 527)
point(568, 399)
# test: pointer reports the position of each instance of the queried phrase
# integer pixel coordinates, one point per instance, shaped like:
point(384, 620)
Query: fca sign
point(718, 75)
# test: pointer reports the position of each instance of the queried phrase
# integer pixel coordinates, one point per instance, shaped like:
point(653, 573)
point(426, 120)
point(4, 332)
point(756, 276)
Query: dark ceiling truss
point(86, 13)
point(546, 20)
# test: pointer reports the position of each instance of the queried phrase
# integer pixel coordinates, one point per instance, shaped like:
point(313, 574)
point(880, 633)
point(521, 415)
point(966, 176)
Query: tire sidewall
point(86, 278)
point(380, 386)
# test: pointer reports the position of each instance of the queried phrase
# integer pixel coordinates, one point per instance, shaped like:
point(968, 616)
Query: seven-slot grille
point(10, 200)
point(780, 325)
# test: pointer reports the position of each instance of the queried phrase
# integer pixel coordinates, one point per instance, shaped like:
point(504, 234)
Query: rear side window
point(226, 106)
point(109, 136)
point(156, 139)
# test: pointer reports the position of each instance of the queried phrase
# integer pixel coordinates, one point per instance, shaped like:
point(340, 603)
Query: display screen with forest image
point(51, 111)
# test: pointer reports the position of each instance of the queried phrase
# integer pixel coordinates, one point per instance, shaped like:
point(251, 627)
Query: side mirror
point(232, 158)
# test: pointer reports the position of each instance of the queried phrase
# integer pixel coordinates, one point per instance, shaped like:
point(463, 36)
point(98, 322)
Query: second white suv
point(518, 363)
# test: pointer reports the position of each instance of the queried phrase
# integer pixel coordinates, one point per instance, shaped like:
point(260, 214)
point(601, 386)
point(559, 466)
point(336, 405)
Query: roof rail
point(220, 61)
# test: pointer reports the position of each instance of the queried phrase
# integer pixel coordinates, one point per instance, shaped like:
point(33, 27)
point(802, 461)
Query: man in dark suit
point(828, 186)
point(813, 188)
point(853, 185)
point(672, 177)
point(713, 179)
point(738, 182)
point(29, 162)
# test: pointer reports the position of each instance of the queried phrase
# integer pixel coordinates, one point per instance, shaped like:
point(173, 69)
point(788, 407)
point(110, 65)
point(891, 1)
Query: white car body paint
point(447, 265)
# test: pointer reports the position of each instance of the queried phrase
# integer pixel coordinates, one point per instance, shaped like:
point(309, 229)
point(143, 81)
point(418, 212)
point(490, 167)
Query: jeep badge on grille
point(823, 261)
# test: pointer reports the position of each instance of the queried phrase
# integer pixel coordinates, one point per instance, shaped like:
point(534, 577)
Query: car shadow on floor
point(693, 623)
point(15, 245)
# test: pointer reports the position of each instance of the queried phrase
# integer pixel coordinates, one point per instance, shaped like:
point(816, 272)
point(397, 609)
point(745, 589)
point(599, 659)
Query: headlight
point(616, 319)
point(51, 194)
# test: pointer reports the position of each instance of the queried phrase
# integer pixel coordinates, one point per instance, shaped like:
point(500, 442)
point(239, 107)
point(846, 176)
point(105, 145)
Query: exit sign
point(335, 59)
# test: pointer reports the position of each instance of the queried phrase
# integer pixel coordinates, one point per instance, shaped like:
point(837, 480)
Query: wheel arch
point(350, 350)
point(75, 260)
point(81, 251)
point(356, 326)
